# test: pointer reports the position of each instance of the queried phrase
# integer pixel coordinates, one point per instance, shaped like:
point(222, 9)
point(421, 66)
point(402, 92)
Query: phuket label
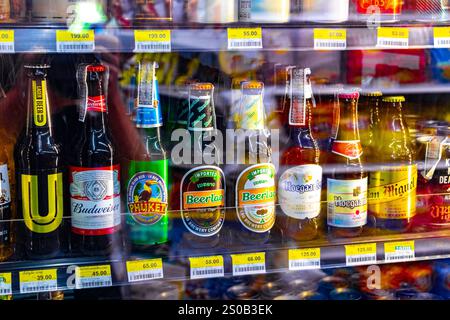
point(255, 197)
point(347, 203)
point(203, 200)
point(147, 198)
point(299, 191)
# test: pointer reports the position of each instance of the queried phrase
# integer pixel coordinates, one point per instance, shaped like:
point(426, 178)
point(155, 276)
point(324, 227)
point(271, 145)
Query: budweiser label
point(95, 200)
point(96, 104)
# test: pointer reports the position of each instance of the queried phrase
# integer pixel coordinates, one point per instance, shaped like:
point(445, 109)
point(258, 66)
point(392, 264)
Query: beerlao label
point(203, 200)
point(348, 149)
point(39, 89)
point(392, 192)
point(96, 104)
point(147, 198)
point(347, 203)
point(95, 200)
point(255, 197)
point(439, 200)
point(299, 191)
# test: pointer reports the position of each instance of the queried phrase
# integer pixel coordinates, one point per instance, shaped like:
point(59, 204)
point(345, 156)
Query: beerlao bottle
point(300, 181)
point(94, 172)
point(40, 172)
point(392, 187)
point(254, 192)
point(147, 172)
point(347, 182)
point(202, 196)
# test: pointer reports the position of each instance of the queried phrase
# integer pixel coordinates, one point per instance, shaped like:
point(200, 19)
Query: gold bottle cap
point(372, 94)
point(394, 99)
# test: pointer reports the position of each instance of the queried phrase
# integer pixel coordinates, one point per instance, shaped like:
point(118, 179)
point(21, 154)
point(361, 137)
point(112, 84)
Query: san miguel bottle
point(254, 192)
point(392, 187)
point(148, 170)
point(202, 195)
point(300, 181)
point(40, 172)
point(347, 181)
point(94, 174)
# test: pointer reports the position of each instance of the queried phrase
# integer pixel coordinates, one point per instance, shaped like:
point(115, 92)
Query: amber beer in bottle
point(39, 172)
point(300, 181)
point(370, 105)
point(347, 182)
point(94, 171)
point(392, 187)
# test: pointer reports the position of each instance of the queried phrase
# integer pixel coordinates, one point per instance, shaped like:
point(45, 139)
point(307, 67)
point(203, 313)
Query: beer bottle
point(40, 172)
point(300, 184)
point(147, 171)
point(94, 171)
point(392, 187)
point(255, 193)
point(370, 104)
point(6, 209)
point(202, 195)
point(347, 183)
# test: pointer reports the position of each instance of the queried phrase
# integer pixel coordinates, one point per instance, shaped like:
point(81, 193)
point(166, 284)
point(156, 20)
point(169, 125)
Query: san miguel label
point(255, 197)
point(392, 192)
point(203, 200)
point(95, 200)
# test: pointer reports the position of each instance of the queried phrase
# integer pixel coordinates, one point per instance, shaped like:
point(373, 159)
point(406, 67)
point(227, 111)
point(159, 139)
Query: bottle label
point(201, 113)
point(39, 89)
point(5, 203)
point(347, 203)
point(46, 186)
point(375, 6)
point(349, 149)
point(252, 110)
point(255, 197)
point(96, 104)
point(148, 111)
point(203, 200)
point(392, 192)
point(95, 200)
point(297, 111)
point(299, 191)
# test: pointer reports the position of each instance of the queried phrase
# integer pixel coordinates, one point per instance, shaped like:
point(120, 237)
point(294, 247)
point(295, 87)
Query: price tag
point(38, 281)
point(399, 251)
point(330, 39)
point(248, 263)
point(207, 267)
point(393, 37)
point(93, 277)
point(142, 270)
point(68, 41)
point(5, 283)
point(244, 38)
point(152, 41)
point(441, 37)
point(7, 41)
point(304, 259)
point(360, 254)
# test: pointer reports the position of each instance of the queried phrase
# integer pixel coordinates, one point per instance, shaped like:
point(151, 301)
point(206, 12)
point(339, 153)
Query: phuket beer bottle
point(147, 172)
point(300, 180)
point(40, 172)
point(347, 181)
point(94, 172)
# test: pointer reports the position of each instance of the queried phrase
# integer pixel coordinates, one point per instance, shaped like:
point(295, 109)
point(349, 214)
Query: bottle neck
point(96, 108)
point(394, 117)
point(38, 110)
point(348, 120)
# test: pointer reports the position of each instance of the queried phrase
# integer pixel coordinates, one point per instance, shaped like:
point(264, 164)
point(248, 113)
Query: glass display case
point(225, 149)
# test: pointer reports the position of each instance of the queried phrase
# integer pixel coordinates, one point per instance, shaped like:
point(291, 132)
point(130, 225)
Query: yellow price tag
point(360, 254)
point(441, 37)
point(152, 35)
point(69, 36)
point(38, 281)
point(6, 35)
point(330, 34)
point(206, 262)
point(37, 275)
point(93, 271)
point(248, 258)
point(399, 251)
point(5, 278)
point(397, 33)
point(244, 33)
point(142, 265)
point(299, 254)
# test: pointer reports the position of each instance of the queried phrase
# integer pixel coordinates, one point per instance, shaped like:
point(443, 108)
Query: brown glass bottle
point(39, 172)
point(347, 182)
point(94, 171)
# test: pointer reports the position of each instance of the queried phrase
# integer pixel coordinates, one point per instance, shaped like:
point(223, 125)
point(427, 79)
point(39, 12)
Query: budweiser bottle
point(94, 171)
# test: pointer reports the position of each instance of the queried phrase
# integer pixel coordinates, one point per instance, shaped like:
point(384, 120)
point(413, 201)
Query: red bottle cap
point(348, 95)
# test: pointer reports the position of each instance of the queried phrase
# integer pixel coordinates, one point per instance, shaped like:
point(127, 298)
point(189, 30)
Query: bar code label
point(152, 41)
point(393, 37)
point(441, 37)
point(38, 281)
point(330, 39)
point(68, 41)
point(5, 283)
point(360, 254)
point(399, 251)
point(304, 259)
point(244, 38)
point(207, 267)
point(143, 270)
point(93, 277)
point(7, 41)
point(248, 263)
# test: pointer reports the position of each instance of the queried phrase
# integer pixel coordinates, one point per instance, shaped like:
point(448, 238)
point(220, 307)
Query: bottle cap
point(394, 99)
point(372, 94)
point(348, 95)
point(37, 66)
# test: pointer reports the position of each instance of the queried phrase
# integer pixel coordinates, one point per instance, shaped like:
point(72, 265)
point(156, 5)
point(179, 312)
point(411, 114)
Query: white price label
point(7, 41)
point(399, 251)
point(68, 41)
point(249, 263)
point(152, 41)
point(93, 277)
point(5, 283)
point(244, 38)
point(393, 37)
point(304, 259)
point(142, 270)
point(330, 39)
point(360, 254)
point(207, 267)
point(38, 281)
